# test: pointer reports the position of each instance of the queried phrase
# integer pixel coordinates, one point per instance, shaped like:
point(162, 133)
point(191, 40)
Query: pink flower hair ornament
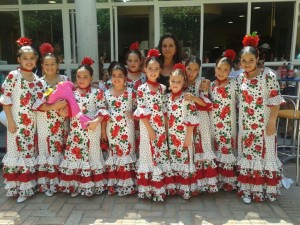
point(64, 90)
point(87, 61)
point(46, 48)
point(229, 53)
point(134, 46)
point(153, 53)
point(24, 41)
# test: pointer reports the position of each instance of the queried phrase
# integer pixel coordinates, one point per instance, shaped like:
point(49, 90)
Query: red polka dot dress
point(83, 167)
point(154, 177)
point(204, 156)
point(182, 114)
point(19, 162)
point(121, 153)
point(223, 118)
point(258, 165)
point(51, 130)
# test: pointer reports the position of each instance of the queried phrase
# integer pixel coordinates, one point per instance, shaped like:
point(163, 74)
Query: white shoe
point(49, 193)
point(74, 194)
point(247, 200)
point(21, 199)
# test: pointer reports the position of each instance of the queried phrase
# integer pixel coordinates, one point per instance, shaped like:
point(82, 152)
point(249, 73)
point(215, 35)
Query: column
point(86, 30)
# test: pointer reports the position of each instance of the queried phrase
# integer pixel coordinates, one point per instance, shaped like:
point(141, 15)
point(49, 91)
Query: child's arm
point(91, 125)
point(205, 84)
point(188, 136)
point(56, 106)
point(63, 112)
point(191, 97)
point(11, 125)
point(271, 126)
point(103, 131)
point(149, 128)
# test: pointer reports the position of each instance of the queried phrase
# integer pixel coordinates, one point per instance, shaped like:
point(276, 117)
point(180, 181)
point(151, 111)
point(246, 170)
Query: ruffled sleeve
point(191, 118)
point(273, 90)
point(142, 111)
point(39, 97)
point(6, 90)
point(204, 97)
point(101, 107)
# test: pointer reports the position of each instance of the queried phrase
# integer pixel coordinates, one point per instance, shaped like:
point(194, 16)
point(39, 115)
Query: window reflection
point(8, 2)
point(103, 27)
point(274, 23)
point(9, 33)
point(187, 19)
point(224, 28)
point(41, 1)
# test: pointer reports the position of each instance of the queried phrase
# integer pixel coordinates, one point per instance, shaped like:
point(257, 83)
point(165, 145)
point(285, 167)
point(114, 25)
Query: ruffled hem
point(18, 188)
point(259, 164)
point(183, 168)
point(150, 168)
point(19, 162)
point(79, 165)
point(120, 161)
point(226, 158)
point(141, 113)
point(204, 156)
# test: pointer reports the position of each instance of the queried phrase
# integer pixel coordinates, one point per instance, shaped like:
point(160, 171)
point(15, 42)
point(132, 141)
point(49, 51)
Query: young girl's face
point(133, 62)
point(50, 66)
point(118, 78)
point(152, 70)
point(176, 83)
point(83, 78)
point(27, 60)
point(248, 62)
point(192, 71)
point(222, 70)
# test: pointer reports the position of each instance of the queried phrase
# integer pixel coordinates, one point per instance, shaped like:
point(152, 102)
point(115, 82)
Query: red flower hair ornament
point(230, 54)
point(251, 40)
point(24, 41)
point(179, 66)
point(153, 53)
point(134, 46)
point(87, 61)
point(46, 48)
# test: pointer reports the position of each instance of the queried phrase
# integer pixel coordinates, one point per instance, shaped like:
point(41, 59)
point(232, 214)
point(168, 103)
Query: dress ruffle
point(141, 113)
point(274, 101)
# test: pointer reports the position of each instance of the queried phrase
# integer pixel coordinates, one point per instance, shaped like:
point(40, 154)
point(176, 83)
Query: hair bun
point(251, 40)
point(230, 54)
point(87, 61)
point(24, 41)
point(153, 53)
point(46, 48)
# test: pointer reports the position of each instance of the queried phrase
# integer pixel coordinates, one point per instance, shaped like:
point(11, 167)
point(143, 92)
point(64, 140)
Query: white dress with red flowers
point(154, 176)
point(20, 160)
point(83, 166)
point(204, 156)
point(258, 166)
point(182, 114)
point(223, 118)
point(121, 153)
point(51, 130)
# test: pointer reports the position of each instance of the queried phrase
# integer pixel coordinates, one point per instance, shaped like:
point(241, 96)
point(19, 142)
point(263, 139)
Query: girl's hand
point(12, 127)
point(92, 125)
point(104, 136)
point(187, 141)
point(59, 104)
point(205, 84)
point(188, 97)
point(271, 128)
point(63, 112)
point(129, 114)
point(152, 134)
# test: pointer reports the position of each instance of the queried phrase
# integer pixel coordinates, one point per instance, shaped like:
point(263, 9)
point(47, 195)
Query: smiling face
point(248, 62)
point(152, 70)
point(83, 78)
point(50, 65)
point(192, 71)
point(118, 78)
point(133, 62)
point(27, 60)
point(222, 70)
point(168, 48)
point(176, 82)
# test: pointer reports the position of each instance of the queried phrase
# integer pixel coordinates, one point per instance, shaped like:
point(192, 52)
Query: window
point(9, 33)
point(224, 28)
point(41, 1)
point(8, 2)
point(103, 26)
point(274, 23)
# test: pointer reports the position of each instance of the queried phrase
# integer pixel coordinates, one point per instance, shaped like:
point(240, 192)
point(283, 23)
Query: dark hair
point(49, 55)
point(86, 67)
point(26, 48)
point(119, 66)
point(134, 51)
point(224, 59)
point(111, 65)
point(155, 59)
point(177, 58)
point(193, 59)
point(250, 49)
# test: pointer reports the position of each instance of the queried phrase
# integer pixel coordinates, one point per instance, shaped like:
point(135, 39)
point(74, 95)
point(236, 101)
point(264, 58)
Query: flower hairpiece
point(179, 66)
point(24, 41)
point(153, 53)
point(46, 48)
point(87, 61)
point(229, 53)
point(251, 40)
point(134, 46)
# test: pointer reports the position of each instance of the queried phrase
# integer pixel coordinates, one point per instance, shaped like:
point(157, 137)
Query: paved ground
point(219, 208)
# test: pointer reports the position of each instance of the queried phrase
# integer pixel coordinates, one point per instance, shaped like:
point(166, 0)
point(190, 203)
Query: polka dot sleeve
point(274, 97)
point(191, 118)
point(39, 97)
point(6, 90)
point(142, 111)
point(101, 107)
